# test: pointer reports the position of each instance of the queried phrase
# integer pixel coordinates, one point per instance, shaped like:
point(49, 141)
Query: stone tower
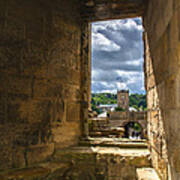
point(123, 99)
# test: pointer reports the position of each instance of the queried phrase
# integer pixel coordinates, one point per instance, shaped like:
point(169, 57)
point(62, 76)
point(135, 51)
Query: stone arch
point(133, 129)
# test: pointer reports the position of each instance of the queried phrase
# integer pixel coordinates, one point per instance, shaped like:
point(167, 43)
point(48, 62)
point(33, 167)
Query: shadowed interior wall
point(162, 71)
point(40, 79)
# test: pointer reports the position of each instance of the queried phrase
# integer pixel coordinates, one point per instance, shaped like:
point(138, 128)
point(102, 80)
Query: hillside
point(137, 101)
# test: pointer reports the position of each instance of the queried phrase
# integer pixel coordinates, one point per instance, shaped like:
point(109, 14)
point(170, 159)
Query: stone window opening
point(121, 131)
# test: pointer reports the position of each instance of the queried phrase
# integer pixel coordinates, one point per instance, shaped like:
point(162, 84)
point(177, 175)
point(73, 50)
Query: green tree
point(137, 101)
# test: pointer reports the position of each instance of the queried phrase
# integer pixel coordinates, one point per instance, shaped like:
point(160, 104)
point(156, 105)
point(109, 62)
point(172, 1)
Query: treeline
point(103, 98)
point(138, 101)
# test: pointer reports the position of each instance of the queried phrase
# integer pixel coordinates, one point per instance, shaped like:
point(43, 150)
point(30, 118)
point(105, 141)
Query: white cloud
point(134, 63)
point(117, 56)
point(100, 42)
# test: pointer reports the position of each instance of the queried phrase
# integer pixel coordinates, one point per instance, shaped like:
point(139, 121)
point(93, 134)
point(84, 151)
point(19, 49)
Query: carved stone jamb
point(89, 65)
point(85, 77)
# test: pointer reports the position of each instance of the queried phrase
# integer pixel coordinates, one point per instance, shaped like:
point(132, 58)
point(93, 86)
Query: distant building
point(121, 116)
point(107, 107)
point(123, 99)
point(128, 116)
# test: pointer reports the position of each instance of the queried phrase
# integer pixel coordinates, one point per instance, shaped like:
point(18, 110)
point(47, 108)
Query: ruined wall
point(162, 71)
point(40, 79)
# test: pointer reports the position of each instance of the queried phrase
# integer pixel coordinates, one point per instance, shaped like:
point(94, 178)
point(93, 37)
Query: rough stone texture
point(147, 174)
point(96, 10)
point(85, 76)
point(162, 67)
point(86, 163)
point(44, 74)
point(40, 95)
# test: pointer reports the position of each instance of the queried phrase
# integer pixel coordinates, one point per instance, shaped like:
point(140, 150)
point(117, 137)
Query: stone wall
point(119, 115)
point(162, 68)
point(40, 79)
point(121, 119)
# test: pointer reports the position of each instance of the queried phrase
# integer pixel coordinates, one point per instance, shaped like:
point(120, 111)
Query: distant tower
point(123, 99)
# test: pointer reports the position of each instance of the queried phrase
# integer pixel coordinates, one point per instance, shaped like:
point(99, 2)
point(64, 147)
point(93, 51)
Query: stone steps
point(112, 163)
point(98, 163)
point(94, 158)
point(114, 142)
point(147, 174)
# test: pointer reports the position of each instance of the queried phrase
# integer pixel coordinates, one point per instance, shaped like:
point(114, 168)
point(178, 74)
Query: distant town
point(125, 119)
point(101, 102)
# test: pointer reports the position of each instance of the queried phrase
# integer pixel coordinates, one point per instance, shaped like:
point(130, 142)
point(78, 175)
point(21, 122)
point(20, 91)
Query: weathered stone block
point(157, 21)
point(66, 134)
point(39, 153)
point(18, 157)
point(73, 112)
point(171, 91)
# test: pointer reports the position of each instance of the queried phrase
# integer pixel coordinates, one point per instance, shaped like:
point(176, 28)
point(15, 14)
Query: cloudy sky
point(117, 56)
